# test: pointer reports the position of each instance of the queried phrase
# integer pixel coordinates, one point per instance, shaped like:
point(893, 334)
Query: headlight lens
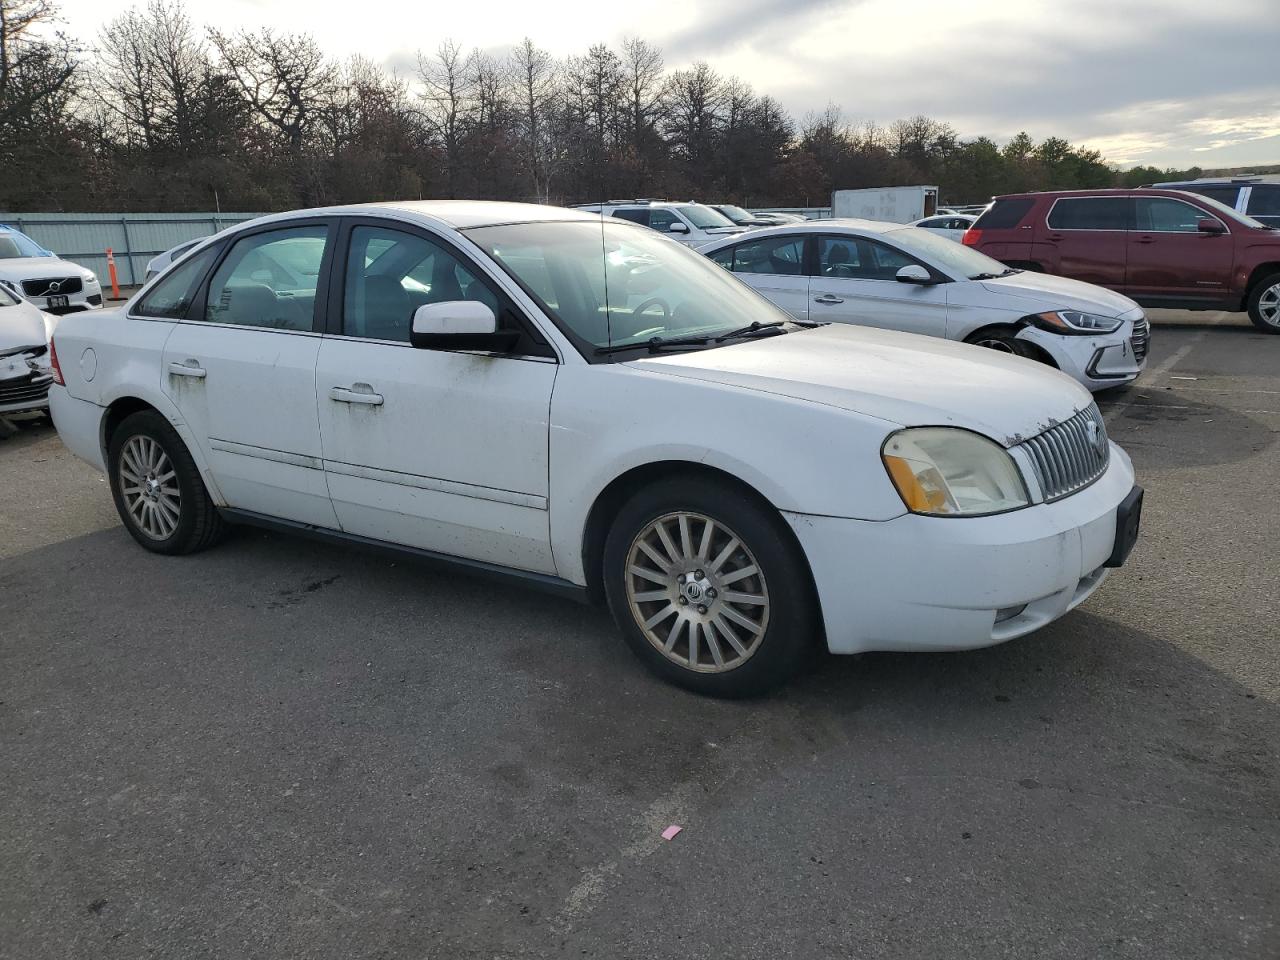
point(90, 277)
point(1076, 322)
point(946, 471)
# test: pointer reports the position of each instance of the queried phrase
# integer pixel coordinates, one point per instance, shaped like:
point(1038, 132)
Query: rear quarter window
point(1004, 214)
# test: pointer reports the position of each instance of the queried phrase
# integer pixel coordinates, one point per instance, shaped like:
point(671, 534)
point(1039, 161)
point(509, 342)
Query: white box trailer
point(895, 204)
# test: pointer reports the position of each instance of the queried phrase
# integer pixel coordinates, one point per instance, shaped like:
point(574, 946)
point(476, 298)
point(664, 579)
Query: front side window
point(617, 285)
point(391, 273)
point(1091, 213)
point(1161, 215)
point(780, 256)
point(171, 297)
point(856, 258)
point(662, 220)
point(269, 280)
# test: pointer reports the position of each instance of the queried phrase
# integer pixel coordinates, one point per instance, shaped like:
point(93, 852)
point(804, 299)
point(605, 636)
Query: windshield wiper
point(655, 344)
point(995, 276)
point(750, 330)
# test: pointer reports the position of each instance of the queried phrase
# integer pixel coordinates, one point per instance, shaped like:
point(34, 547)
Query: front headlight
point(1075, 322)
point(90, 277)
point(946, 471)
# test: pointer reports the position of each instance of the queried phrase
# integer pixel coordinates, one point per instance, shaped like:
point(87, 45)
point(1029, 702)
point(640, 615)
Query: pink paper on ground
point(671, 831)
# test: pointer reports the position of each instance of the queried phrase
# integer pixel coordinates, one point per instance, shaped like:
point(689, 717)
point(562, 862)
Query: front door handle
point(356, 393)
point(1145, 240)
point(828, 298)
point(188, 368)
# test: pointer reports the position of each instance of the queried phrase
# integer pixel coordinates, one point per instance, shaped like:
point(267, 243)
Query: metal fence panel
point(134, 238)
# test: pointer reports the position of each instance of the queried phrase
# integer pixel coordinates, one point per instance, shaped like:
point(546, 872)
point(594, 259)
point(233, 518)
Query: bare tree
point(534, 77)
point(447, 94)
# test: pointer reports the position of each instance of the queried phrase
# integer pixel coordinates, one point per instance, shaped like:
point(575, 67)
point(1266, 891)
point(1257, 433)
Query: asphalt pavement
point(280, 749)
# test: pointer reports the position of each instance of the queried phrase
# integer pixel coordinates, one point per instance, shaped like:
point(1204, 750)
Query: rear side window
point(1225, 195)
point(171, 296)
point(1264, 200)
point(635, 216)
point(1091, 213)
point(1003, 214)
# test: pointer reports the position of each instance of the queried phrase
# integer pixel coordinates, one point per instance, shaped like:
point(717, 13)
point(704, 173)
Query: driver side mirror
point(914, 273)
point(678, 227)
point(1210, 225)
point(459, 325)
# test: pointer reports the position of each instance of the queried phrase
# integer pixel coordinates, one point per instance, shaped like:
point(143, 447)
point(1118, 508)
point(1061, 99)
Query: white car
point(584, 406)
point(161, 261)
point(899, 277)
point(949, 225)
point(25, 374)
point(691, 223)
point(39, 276)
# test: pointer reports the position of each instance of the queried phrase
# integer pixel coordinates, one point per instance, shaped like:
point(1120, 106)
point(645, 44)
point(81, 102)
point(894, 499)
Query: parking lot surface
point(284, 749)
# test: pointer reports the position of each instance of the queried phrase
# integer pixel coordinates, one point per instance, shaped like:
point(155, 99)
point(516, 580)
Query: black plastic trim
point(492, 571)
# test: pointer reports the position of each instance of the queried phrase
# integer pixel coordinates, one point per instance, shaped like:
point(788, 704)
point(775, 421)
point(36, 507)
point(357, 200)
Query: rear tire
point(157, 487)
point(1264, 303)
point(744, 617)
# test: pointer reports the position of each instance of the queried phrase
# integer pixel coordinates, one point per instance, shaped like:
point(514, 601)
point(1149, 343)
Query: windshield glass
point(14, 245)
point(1222, 210)
point(961, 262)
point(612, 283)
point(704, 217)
point(737, 214)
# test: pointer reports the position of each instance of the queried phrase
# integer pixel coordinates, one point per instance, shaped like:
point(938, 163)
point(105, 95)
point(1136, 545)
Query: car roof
point(459, 214)
point(1103, 192)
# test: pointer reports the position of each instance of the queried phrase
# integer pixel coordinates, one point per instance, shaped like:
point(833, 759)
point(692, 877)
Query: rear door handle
point(1054, 237)
point(188, 368)
point(827, 298)
point(356, 393)
point(1145, 240)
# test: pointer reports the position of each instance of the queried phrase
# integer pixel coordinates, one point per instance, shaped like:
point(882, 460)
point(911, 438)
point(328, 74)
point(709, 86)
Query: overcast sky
point(1169, 82)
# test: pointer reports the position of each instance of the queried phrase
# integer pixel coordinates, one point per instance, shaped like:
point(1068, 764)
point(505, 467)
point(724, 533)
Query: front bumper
point(24, 384)
point(1098, 362)
point(938, 583)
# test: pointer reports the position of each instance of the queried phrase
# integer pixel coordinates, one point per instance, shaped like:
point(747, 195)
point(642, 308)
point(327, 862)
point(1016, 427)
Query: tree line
point(163, 114)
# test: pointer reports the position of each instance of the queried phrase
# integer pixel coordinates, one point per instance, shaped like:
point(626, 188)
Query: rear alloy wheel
point(710, 588)
point(1264, 304)
point(157, 487)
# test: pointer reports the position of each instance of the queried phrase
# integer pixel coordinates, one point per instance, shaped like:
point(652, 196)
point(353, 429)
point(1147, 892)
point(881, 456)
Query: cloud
point(724, 24)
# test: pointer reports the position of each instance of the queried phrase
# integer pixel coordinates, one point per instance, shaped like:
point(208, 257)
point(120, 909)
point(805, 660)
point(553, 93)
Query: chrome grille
point(1070, 456)
point(1140, 338)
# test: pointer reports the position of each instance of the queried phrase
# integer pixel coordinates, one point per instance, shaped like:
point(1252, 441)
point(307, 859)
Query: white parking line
point(1153, 374)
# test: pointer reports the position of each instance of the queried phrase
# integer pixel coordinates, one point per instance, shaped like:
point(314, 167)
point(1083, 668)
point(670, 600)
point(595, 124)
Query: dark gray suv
point(1258, 197)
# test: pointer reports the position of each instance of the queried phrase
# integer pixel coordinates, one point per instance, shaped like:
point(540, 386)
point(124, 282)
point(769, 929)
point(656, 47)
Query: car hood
point(902, 378)
point(1043, 291)
point(26, 268)
point(24, 326)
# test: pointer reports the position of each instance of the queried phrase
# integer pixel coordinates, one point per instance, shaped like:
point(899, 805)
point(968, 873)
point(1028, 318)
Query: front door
point(774, 266)
point(241, 370)
point(1170, 257)
point(444, 451)
point(855, 282)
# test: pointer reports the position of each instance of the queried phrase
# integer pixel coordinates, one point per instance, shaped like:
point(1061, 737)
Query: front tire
point(157, 487)
point(1264, 304)
point(709, 588)
point(1003, 341)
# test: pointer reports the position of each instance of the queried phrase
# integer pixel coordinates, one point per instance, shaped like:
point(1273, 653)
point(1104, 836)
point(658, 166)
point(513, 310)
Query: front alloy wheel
point(697, 592)
point(1264, 304)
point(710, 587)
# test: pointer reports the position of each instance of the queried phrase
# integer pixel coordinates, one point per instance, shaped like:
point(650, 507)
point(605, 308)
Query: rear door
point(1170, 257)
point(241, 369)
point(1086, 238)
point(774, 266)
point(855, 282)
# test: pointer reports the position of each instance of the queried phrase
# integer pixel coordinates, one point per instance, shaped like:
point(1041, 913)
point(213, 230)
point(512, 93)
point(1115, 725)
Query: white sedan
point(585, 406)
point(949, 225)
point(889, 275)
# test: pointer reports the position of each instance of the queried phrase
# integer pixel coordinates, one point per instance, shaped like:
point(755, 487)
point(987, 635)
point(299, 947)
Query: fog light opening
point(1008, 613)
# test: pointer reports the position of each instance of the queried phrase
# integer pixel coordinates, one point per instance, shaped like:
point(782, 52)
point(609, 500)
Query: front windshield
point(704, 217)
point(1222, 210)
point(961, 262)
point(736, 214)
point(14, 245)
point(611, 284)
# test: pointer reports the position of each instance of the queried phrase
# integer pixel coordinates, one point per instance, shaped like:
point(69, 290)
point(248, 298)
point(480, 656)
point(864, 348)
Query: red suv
point(1163, 248)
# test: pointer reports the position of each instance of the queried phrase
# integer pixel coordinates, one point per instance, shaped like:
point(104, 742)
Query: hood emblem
point(54, 286)
point(1096, 439)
